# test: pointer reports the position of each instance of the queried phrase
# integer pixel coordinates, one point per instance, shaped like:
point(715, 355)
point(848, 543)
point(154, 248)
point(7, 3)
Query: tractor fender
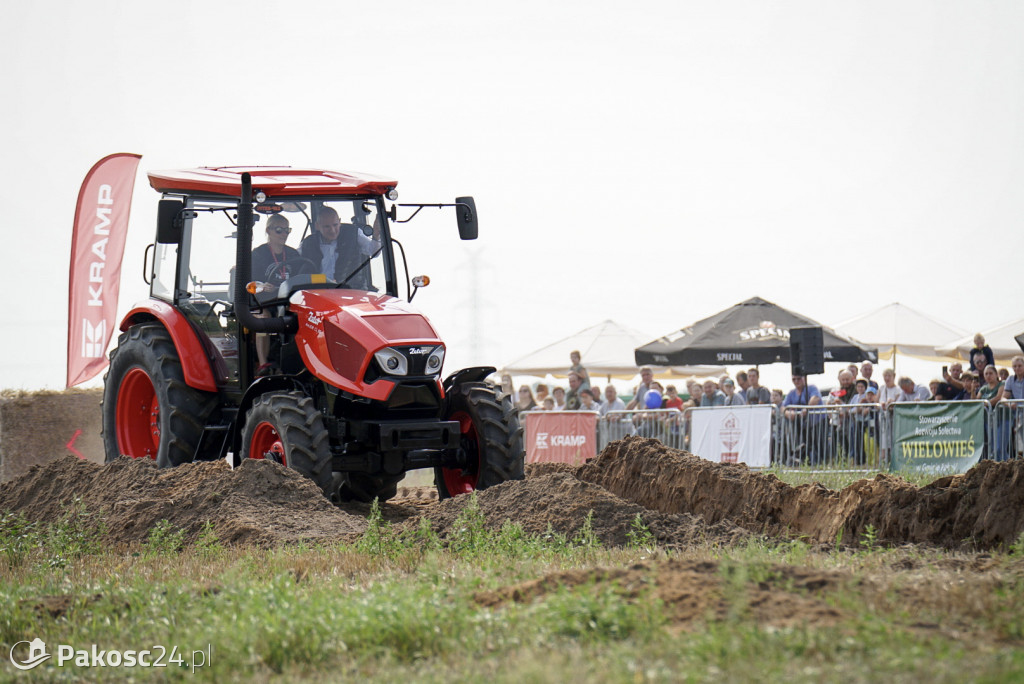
point(194, 360)
point(271, 383)
point(474, 374)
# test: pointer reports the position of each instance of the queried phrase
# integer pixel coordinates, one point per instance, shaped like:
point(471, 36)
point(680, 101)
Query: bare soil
point(692, 591)
point(682, 499)
point(257, 503)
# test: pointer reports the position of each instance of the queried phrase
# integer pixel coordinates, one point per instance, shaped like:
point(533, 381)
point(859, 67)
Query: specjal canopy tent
point(752, 332)
point(1001, 339)
point(899, 330)
point(606, 350)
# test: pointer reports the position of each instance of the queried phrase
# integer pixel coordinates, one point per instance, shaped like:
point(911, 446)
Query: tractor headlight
point(435, 361)
point(392, 362)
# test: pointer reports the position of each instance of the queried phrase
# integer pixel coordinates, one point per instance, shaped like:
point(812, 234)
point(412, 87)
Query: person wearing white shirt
point(910, 391)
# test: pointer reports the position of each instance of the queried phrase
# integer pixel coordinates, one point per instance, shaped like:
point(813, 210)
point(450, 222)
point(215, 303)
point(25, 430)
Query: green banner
point(937, 437)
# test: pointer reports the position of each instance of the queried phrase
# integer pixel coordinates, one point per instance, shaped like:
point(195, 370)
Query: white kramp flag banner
point(733, 434)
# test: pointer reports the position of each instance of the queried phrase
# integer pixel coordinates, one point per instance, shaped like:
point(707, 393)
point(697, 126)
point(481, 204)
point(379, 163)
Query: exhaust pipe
point(243, 272)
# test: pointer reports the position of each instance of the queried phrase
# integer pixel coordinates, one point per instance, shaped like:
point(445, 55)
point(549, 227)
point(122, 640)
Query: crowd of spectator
point(856, 431)
point(854, 385)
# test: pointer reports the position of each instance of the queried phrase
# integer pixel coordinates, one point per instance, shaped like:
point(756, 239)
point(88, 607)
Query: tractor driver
point(340, 250)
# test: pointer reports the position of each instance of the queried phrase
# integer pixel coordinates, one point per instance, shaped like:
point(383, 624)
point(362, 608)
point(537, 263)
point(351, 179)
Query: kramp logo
point(546, 440)
point(36, 654)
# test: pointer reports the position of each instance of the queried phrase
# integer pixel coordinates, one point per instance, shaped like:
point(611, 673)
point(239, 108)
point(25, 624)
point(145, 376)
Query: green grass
point(839, 479)
point(404, 607)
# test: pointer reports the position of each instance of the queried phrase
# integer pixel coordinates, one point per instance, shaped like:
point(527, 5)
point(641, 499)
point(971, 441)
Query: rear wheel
point(287, 428)
point(148, 409)
point(491, 440)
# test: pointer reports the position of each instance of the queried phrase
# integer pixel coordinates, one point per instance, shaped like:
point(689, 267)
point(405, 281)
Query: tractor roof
point(275, 181)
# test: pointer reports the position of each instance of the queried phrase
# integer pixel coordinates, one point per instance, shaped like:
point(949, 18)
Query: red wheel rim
point(137, 416)
point(266, 443)
point(456, 480)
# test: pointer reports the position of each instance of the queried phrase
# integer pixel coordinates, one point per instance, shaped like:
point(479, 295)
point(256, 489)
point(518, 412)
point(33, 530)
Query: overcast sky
point(651, 164)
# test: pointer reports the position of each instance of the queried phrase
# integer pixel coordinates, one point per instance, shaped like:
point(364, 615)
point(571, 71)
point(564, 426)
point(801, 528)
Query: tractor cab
point(197, 272)
point(275, 330)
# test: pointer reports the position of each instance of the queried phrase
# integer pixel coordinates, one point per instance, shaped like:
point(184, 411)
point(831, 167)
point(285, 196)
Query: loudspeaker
point(807, 350)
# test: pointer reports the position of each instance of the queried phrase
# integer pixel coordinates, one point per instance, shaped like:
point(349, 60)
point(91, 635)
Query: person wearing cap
point(732, 397)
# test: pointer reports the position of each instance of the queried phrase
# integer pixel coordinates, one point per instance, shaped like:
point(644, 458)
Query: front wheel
point(286, 427)
point(491, 440)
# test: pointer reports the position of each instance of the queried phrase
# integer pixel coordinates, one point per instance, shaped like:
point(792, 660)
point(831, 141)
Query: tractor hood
point(339, 331)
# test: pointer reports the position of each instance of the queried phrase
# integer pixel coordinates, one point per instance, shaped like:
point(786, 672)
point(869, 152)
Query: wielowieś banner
point(732, 434)
point(560, 437)
point(939, 437)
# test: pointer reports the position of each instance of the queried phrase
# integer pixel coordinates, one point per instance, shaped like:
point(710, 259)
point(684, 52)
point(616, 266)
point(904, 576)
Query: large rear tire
point(287, 428)
point(492, 440)
point(149, 411)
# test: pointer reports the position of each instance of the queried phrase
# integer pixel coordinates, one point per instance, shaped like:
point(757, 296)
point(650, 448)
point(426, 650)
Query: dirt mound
point(692, 592)
point(681, 499)
point(980, 509)
point(560, 502)
point(257, 503)
point(539, 469)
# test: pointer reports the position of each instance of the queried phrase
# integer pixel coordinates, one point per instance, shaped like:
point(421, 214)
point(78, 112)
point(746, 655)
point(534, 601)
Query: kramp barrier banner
point(560, 436)
point(732, 434)
point(937, 437)
point(97, 245)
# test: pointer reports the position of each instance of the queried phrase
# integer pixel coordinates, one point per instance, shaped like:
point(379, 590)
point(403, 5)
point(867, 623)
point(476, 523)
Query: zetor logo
point(546, 440)
point(416, 351)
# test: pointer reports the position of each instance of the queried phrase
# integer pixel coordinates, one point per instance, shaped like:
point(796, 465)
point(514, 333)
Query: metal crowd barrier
point(1005, 434)
point(665, 425)
point(833, 436)
point(828, 437)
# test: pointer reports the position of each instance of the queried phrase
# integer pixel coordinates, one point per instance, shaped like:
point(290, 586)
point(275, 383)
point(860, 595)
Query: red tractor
point(350, 391)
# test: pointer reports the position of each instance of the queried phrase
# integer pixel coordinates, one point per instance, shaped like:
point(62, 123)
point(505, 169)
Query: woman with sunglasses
point(272, 264)
point(274, 261)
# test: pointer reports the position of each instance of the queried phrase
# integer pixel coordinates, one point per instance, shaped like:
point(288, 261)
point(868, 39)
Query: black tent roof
point(752, 332)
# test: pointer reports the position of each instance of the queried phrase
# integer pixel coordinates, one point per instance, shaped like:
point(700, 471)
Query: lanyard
point(282, 265)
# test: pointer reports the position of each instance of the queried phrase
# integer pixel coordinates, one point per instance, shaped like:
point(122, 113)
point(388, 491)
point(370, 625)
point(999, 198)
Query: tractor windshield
point(343, 239)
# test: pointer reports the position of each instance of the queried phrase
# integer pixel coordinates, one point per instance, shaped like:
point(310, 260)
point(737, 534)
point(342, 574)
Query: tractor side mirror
point(465, 213)
point(169, 221)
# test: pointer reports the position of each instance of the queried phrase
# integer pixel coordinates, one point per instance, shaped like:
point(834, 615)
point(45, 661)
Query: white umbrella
point(898, 329)
point(1000, 339)
point(606, 349)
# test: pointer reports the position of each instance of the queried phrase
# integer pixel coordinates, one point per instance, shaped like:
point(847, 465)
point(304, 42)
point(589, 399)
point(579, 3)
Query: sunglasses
point(281, 231)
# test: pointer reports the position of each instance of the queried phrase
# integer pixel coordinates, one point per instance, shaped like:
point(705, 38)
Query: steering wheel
point(295, 267)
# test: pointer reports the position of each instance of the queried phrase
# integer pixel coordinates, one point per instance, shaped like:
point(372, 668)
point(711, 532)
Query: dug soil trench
point(981, 509)
point(681, 500)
